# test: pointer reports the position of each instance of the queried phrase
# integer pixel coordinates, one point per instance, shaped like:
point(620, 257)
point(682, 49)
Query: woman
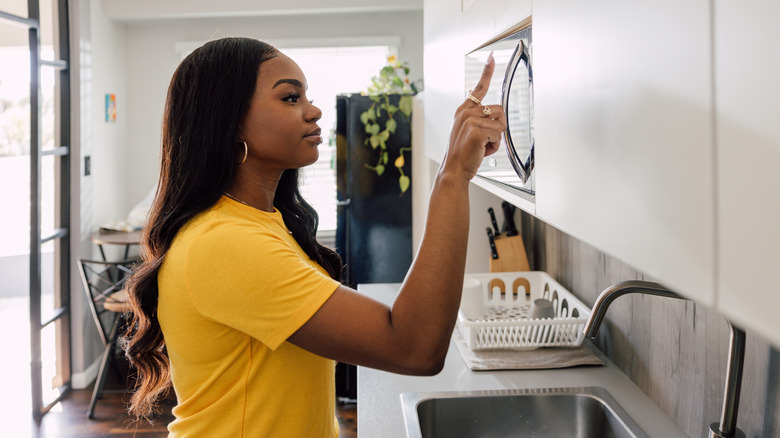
point(236, 304)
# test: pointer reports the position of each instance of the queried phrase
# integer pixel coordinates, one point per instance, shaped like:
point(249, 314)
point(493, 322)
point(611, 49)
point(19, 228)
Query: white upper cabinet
point(747, 93)
point(482, 20)
point(443, 72)
point(453, 28)
point(623, 131)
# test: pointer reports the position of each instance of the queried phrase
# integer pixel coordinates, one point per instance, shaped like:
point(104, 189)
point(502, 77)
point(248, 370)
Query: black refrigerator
point(374, 221)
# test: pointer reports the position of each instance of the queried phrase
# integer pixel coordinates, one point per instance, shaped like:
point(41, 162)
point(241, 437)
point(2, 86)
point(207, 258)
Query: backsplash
point(674, 350)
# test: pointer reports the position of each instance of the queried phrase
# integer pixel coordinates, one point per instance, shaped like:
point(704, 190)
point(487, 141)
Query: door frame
point(61, 234)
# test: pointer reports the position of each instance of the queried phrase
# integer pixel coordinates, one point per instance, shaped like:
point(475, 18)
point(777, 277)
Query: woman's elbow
point(429, 364)
point(434, 368)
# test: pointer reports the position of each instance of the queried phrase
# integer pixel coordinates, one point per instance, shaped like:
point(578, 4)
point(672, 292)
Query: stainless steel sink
point(550, 412)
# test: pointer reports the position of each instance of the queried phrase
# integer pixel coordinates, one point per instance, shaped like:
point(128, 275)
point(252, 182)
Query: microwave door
point(512, 165)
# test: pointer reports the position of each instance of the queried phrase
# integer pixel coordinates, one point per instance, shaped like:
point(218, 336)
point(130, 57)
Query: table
point(125, 238)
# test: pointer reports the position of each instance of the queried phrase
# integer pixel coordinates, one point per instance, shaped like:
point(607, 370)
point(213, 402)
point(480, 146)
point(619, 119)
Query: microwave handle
point(520, 55)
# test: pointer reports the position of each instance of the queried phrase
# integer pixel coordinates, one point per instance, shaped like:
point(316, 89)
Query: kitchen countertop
point(379, 393)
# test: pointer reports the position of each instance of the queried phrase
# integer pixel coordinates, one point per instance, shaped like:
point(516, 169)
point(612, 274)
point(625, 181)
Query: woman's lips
point(314, 137)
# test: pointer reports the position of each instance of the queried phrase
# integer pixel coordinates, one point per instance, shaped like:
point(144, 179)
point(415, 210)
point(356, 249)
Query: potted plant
point(379, 120)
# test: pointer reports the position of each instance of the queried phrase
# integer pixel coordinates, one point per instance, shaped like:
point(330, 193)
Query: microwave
point(512, 86)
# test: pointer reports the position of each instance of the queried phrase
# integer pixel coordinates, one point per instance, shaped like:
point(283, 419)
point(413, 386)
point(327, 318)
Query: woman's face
point(280, 127)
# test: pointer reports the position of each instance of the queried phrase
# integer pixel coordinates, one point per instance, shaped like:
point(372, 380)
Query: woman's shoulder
point(224, 227)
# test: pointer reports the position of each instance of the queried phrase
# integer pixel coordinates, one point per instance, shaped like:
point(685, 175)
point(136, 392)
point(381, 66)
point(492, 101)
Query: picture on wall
point(110, 107)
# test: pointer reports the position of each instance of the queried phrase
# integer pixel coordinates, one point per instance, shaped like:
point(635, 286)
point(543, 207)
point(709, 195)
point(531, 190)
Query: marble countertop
point(379, 393)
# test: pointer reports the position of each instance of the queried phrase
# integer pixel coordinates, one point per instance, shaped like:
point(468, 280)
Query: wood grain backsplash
point(674, 350)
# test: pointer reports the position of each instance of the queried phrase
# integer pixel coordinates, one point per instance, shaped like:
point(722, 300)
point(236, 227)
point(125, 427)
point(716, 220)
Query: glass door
point(35, 188)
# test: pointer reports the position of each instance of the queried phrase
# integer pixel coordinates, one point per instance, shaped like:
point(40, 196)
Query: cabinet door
point(443, 73)
point(747, 92)
point(624, 133)
point(482, 20)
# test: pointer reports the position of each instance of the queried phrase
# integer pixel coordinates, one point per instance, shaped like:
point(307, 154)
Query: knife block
point(511, 255)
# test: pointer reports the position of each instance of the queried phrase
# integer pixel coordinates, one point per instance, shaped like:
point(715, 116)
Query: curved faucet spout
point(618, 290)
point(727, 428)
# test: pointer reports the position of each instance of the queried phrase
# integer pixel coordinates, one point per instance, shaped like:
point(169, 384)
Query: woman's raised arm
point(412, 336)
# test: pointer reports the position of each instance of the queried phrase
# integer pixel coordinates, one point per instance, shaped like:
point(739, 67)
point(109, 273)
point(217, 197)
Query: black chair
point(103, 282)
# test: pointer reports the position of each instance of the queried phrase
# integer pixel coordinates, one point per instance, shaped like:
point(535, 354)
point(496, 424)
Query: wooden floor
point(111, 419)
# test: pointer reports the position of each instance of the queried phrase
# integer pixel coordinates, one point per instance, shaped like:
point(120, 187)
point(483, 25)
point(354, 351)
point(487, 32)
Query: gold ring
point(474, 99)
point(486, 111)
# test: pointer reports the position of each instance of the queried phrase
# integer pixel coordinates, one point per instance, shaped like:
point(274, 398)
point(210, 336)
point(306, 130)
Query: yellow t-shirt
point(233, 287)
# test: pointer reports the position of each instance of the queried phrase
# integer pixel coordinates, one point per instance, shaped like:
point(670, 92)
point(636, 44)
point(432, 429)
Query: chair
point(103, 283)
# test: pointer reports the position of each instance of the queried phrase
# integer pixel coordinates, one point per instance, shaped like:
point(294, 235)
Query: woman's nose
point(314, 113)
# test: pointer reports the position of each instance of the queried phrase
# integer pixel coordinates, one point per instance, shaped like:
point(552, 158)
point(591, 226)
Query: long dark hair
point(207, 99)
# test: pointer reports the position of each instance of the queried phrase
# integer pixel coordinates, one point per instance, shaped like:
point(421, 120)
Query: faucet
point(727, 427)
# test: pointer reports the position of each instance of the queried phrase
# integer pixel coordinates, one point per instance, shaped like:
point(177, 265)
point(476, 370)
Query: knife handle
point(492, 214)
point(509, 219)
point(491, 239)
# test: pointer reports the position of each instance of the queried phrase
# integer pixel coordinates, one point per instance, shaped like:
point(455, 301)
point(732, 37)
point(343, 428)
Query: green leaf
point(392, 108)
point(380, 169)
point(404, 182)
point(374, 129)
point(387, 70)
point(391, 125)
point(405, 105)
point(384, 135)
point(384, 158)
point(364, 117)
point(397, 81)
point(406, 70)
point(374, 140)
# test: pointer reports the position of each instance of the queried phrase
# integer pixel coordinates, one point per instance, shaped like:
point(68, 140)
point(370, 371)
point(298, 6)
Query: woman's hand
point(476, 130)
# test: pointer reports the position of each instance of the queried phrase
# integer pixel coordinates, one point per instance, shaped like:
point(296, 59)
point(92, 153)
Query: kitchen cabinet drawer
point(624, 143)
point(747, 92)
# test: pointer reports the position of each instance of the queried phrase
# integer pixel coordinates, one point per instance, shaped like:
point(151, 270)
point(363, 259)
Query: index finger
point(484, 82)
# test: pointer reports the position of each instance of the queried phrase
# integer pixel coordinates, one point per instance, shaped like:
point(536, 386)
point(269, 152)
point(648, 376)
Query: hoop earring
point(246, 153)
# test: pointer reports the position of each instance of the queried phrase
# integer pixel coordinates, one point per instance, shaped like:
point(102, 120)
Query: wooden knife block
point(511, 255)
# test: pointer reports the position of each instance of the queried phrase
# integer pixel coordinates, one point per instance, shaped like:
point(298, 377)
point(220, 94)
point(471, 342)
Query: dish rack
point(506, 300)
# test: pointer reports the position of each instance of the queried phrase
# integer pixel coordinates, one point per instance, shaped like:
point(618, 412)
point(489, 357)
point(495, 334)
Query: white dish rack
point(505, 324)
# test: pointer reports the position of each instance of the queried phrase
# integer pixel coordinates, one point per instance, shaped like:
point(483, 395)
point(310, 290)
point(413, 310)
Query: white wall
point(155, 9)
point(109, 145)
point(151, 59)
point(97, 66)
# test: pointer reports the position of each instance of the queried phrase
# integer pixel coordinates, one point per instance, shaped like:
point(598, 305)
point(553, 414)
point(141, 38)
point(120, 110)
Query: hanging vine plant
point(379, 119)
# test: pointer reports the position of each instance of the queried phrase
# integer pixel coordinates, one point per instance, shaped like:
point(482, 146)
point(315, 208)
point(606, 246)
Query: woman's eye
point(292, 97)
